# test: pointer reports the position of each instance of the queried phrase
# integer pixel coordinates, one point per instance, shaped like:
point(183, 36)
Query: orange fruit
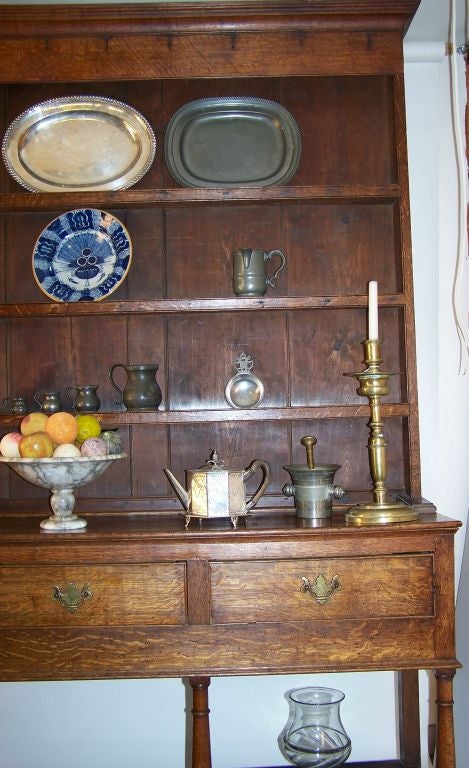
point(62, 427)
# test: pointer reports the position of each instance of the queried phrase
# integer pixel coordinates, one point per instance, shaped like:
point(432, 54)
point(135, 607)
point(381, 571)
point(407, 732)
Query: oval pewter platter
point(78, 143)
point(232, 141)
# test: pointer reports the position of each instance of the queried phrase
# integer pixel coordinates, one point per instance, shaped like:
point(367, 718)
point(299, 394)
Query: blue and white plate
point(83, 255)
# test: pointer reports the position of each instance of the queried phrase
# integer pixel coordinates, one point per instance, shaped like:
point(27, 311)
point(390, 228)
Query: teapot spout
point(181, 493)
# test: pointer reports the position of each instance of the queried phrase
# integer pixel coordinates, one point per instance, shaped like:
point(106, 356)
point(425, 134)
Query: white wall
point(113, 724)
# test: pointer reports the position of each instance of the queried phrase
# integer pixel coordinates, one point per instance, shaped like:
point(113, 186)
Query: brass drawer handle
point(321, 589)
point(71, 597)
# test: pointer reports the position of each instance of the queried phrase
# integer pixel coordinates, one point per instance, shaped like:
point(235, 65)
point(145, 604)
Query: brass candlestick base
point(373, 384)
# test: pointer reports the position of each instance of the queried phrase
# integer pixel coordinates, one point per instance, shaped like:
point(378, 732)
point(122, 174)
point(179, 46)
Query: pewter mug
point(85, 398)
point(49, 402)
point(15, 405)
point(141, 391)
point(249, 271)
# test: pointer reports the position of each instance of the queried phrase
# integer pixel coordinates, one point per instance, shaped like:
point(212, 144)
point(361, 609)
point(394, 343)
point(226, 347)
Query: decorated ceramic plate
point(78, 143)
point(83, 255)
point(232, 141)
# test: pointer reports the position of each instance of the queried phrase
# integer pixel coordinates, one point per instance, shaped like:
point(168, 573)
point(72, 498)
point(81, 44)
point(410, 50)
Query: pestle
point(309, 442)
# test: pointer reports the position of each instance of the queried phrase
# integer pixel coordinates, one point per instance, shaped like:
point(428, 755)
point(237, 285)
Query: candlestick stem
point(373, 384)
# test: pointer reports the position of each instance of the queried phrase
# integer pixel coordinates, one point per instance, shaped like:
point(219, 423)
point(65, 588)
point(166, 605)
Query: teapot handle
point(266, 477)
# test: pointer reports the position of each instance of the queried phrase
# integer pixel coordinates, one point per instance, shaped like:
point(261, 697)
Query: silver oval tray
point(232, 141)
point(78, 143)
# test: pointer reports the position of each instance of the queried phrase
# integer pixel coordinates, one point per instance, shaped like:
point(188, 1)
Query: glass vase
point(314, 736)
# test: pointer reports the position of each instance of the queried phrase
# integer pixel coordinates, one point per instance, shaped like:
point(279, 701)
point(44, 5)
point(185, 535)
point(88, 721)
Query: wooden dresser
point(135, 594)
point(153, 599)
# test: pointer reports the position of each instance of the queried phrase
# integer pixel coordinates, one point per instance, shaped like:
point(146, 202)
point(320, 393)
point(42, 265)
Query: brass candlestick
point(373, 384)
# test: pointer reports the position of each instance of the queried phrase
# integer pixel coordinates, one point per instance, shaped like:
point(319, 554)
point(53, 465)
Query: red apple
point(33, 422)
point(36, 446)
point(9, 445)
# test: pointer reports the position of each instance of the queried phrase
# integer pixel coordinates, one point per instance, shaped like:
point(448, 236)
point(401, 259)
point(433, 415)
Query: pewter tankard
point(141, 392)
point(249, 271)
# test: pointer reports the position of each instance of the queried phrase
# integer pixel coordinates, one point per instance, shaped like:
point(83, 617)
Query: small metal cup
point(15, 405)
point(249, 271)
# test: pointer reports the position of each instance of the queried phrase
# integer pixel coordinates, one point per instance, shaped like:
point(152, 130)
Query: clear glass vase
point(314, 736)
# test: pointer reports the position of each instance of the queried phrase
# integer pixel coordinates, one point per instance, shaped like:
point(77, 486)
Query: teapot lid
point(213, 463)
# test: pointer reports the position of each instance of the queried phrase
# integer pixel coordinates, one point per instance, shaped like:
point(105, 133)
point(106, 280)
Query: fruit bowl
point(61, 477)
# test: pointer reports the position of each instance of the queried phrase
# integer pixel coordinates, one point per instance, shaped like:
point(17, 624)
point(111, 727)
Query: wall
point(141, 723)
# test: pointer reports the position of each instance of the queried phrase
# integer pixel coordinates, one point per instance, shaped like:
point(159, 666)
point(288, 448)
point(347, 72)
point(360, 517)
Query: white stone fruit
point(9, 445)
point(66, 451)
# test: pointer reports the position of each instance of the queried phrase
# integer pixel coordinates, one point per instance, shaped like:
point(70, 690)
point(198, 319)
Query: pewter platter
point(78, 143)
point(232, 141)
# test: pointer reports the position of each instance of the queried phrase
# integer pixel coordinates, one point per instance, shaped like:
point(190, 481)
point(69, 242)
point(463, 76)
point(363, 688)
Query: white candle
point(373, 310)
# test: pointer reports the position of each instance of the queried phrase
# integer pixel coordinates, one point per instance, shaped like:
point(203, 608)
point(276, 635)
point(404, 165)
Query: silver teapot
point(214, 491)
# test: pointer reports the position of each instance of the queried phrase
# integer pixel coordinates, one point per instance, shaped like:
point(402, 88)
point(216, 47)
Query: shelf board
point(253, 414)
point(171, 306)
point(142, 198)
point(298, 413)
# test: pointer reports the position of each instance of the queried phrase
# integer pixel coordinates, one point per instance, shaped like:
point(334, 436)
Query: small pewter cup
point(15, 405)
point(249, 271)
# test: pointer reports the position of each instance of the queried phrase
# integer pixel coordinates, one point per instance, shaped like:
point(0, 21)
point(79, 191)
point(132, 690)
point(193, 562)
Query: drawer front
point(300, 590)
point(93, 595)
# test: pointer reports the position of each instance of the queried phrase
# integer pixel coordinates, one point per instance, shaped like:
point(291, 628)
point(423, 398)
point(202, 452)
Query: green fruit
point(113, 442)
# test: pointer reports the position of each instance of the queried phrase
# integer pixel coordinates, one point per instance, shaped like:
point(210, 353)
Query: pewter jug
point(249, 271)
point(313, 485)
point(215, 491)
point(15, 405)
point(85, 398)
point(49, 402)
point(141, 391)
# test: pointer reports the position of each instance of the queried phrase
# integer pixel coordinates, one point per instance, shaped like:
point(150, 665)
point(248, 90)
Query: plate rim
point(118, 283)
point(228, 102)
point(13, 134)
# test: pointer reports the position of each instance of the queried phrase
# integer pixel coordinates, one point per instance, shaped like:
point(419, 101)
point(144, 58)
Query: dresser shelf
point(144, 198)
point(177, 306)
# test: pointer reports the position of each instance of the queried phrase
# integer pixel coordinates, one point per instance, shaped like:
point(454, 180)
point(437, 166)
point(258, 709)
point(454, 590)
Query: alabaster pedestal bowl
point(61, 477)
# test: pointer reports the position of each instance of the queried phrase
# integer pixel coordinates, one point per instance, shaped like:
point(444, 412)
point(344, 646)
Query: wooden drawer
point(115, 595)
point(274, 591)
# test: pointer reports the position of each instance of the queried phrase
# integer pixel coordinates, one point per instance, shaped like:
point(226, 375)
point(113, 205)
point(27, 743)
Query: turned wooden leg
point(409, 718)
point(445, 749)
point(201, 755)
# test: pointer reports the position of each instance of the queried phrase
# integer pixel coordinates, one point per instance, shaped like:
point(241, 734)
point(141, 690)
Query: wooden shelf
point(117, 418)
point(176, 306)
point(143, 198)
